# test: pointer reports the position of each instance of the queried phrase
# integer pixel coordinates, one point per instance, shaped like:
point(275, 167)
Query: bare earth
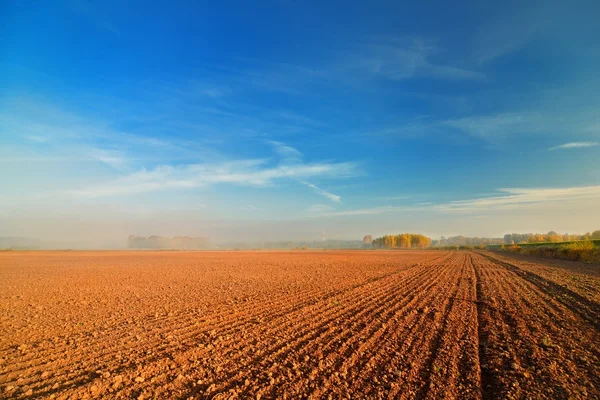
point(327, 324)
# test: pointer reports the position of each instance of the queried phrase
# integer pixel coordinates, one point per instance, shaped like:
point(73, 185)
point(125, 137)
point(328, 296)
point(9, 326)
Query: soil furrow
point(300, 324)
point(179, 332)
point(517, 350)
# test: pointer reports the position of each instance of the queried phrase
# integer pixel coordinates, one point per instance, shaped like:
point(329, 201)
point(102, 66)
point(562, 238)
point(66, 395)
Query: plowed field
point(328, 324)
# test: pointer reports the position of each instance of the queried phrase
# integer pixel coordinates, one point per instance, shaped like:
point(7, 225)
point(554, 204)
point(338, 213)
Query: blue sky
point(284, 119)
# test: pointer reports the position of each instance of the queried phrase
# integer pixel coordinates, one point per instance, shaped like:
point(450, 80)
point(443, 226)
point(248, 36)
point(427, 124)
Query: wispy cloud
point(252, 172)
point(393, 197)
point(113, 158)
point(575, 145)
point(510, 29)
point(505, 35)
point(189, 90)
point(272, 76)
point(393, 58)
point(297, 118)
point(406, 58)
point(369, 211)
point(292, 157)
point(493, 126)
point(288, 154)
point(520, 197)
point(545, 120)
point(333, 197)
point(69, 136)
point(319, 208)
point(506, 199)
point(38, 139)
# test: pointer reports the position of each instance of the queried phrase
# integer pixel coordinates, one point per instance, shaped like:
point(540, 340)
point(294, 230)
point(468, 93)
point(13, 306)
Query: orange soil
point(323, 324)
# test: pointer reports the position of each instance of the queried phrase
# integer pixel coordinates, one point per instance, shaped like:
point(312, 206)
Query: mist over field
point(112, 231)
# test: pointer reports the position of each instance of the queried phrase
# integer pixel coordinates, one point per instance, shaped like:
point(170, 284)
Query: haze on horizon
point(282, 120)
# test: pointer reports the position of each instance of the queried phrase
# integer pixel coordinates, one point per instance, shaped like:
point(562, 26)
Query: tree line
point(466, 241)
point(291, 244)
point(550, 237)
point(402, 241)
point(160, 242)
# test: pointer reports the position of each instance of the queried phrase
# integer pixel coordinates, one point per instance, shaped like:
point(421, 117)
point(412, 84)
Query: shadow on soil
point(585, 308)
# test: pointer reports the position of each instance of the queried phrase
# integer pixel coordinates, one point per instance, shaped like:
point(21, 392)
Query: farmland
point(310, 324)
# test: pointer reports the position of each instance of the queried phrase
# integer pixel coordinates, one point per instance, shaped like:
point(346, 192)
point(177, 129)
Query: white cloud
point(287, 153)
point(113, 158)
point(333, 197)
point(253, 172)
point(575, 145)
